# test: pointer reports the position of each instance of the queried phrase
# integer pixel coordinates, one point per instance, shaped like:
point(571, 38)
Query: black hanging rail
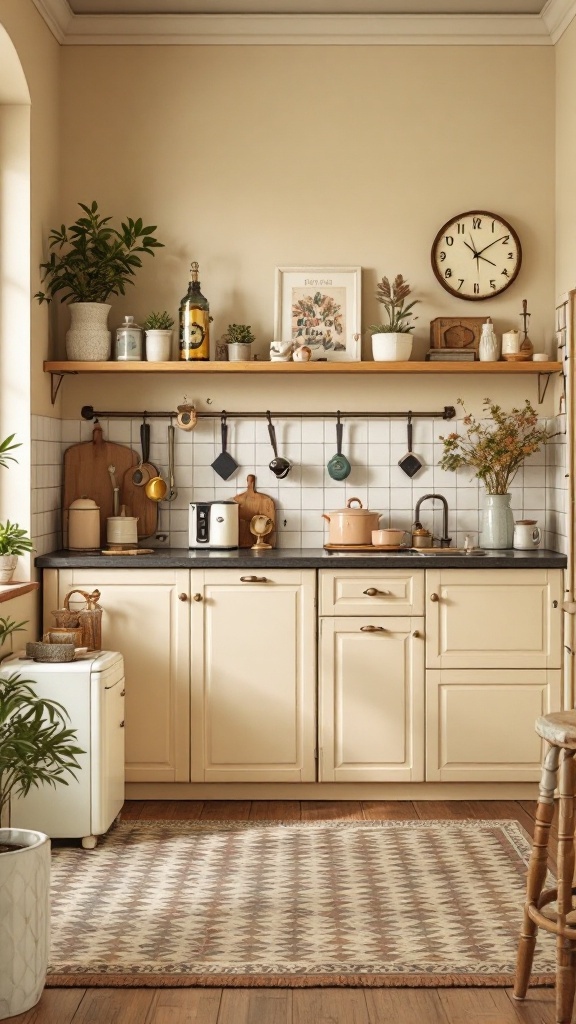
point(90, 413)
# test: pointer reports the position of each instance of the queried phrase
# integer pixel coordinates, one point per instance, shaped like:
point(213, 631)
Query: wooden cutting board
point(86, 473)
point(138, 504)
point(252, 503)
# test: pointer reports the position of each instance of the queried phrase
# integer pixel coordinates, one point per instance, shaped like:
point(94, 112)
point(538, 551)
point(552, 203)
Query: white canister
point(122, 530)
point(128, 341)
point(527, 534)
point(510, 342)
point(84, 525)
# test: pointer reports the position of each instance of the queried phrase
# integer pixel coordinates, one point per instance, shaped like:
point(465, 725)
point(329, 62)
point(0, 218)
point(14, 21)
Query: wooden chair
point(559, 732)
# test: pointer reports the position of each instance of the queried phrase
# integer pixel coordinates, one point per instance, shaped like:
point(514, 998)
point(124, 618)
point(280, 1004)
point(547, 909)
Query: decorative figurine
point(302, 354)
point(280, 351)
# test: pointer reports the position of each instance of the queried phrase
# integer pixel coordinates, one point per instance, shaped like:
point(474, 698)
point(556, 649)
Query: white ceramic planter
point(24, 919)
point(239, 352)
point(88, 338)
point(497, 525)
point(158, 346)
point(8, 564)
point(388, 348)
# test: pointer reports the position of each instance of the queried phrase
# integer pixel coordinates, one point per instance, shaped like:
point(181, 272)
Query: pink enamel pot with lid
point(351, 525)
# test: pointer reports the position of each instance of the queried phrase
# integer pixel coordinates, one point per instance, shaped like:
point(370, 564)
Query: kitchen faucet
point(445, 540)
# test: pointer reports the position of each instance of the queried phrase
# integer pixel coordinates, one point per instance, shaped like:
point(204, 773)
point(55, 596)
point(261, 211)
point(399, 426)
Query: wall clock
point(476, 255)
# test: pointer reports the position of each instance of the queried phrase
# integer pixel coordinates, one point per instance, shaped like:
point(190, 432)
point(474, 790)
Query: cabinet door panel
point(144, 620)
point(351, 592)
point(480, 724)
point(371, 693)
point(253, 677)
point(499, 618)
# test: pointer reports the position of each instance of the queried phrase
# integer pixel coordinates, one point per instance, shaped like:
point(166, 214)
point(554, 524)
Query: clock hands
point(478, 255)
point(491, 243)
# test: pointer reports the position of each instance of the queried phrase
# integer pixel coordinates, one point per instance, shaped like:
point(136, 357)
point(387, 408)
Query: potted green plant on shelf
point(158, 327)
point(392, 341)
point(13, 542)
point(495, 448)
point(90, 261)
point(239, 340)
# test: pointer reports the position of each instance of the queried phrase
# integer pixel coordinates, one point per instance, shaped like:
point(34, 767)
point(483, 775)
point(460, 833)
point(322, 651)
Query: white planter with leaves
point(158, 346)
point(24, 918)
point(8, 565)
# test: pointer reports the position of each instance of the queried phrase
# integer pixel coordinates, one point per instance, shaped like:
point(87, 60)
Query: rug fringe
point(291, 981)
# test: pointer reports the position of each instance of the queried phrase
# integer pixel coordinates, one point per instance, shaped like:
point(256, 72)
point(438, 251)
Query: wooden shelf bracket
point(56, 378)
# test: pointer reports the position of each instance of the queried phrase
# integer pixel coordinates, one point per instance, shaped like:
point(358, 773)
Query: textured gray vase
point(497, 528)
point(88, 338)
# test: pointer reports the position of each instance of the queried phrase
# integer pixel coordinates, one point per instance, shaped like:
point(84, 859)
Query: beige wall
point(566, 160)
point(252, 157)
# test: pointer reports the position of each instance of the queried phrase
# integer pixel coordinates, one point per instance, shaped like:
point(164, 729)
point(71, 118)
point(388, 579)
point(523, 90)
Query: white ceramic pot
point(388, 348)
point(8, 564)
point(497, 526)
point(351, 525)
point(24, 919)
point(158, 346)
point(88, 338)
point(240, 351)
point(84, 525)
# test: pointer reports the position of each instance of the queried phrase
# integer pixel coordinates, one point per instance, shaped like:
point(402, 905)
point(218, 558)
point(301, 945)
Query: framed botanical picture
point(319, 307)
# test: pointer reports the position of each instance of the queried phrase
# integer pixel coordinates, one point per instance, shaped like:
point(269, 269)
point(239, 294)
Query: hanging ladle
point(172, 491)
point(339, 467)
point(279, 466)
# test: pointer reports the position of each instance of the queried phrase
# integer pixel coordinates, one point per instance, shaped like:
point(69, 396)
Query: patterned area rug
point(411, 903)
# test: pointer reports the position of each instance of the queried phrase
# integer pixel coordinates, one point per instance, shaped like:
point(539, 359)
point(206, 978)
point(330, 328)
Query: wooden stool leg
point(536, 869)
point(565, 948)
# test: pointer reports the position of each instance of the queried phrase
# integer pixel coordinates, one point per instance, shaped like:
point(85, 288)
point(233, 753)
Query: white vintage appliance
point(92, 691)
point(214, 524)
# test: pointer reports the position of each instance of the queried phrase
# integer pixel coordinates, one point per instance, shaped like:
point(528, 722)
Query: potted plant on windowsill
point(158, 327)
point(13, 542)
point(392, 341)
point(495, 448)
point(239, 339)
point(89, 262)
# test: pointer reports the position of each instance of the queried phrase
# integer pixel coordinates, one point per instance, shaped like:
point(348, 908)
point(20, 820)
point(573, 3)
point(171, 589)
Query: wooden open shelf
point(67, 366)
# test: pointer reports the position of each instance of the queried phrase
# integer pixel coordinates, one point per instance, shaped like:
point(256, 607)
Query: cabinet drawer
point(480, 724)
point(493, 618)
point(371, 592)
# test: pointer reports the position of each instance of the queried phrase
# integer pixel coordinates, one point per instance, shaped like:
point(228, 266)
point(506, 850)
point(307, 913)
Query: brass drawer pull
point(372, 592)
point(373, 629)
point(122, 724)
point(253, 579)
point(197, 597)
point(434, 597)
point(416, 634)
point(182, 597)
point(122, 693)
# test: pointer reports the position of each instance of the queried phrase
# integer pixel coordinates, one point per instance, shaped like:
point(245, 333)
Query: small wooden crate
point(456, 332)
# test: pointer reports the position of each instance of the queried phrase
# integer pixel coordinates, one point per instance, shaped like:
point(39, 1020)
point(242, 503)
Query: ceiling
point(428, 7)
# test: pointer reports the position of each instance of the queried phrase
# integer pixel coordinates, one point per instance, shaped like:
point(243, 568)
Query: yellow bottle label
point(194, 342)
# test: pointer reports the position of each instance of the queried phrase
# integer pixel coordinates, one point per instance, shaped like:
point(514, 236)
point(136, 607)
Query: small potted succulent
point(239, 339)
point(158, 327)
point(13, 542)
point(392, 341)
point(90, 261)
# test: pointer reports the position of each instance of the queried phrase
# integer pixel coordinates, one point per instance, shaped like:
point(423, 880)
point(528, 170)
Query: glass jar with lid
point(129, 341)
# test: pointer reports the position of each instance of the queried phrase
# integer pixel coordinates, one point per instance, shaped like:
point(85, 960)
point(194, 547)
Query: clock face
point(476, 255)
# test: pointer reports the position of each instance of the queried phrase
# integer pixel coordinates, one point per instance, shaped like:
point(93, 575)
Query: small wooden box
point(456, 332)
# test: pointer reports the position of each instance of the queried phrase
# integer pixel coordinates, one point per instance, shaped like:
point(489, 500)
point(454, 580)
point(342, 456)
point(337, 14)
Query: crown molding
point(302, 29)
point(557, 15)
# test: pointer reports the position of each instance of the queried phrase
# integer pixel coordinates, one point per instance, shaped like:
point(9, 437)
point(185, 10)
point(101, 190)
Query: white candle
point(510, 342)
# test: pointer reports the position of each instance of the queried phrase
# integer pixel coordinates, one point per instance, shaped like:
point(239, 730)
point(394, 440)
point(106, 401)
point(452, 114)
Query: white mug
point(526, 534)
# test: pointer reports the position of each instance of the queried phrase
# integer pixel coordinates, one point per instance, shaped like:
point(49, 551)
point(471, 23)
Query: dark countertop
point(300, 558)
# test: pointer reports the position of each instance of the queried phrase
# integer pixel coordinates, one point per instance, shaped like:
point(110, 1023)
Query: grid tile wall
point(46, 483)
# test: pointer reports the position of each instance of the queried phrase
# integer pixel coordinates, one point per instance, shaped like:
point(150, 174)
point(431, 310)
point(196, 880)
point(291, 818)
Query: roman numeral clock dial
point(476, 255)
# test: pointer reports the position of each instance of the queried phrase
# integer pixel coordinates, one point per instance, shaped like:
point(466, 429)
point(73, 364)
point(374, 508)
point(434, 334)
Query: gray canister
point(129, 341)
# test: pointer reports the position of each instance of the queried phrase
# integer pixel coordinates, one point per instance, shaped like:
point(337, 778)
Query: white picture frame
point(328, 299)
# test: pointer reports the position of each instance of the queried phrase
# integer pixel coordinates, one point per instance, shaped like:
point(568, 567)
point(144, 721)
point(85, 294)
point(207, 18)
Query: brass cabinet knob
point(122, 724)
point(253, 579)
point(182, 597)
point(373, 629)
point(416, 634)
point(372, 592)
point(197, 597)
point(434, 597)
point(122, 693)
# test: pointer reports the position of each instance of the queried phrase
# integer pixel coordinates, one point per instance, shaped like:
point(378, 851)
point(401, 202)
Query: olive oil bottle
point(194, 336)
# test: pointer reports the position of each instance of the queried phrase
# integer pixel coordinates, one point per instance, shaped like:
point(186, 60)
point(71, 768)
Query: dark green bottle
point(194, 337)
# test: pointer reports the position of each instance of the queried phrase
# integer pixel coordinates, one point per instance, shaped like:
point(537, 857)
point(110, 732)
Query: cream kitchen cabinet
point(253, 675)
point(371, 676)
point(493, 660)
point(146, 618)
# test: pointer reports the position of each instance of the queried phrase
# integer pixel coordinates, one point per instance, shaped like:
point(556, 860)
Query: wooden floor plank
point(256, 1006)
point(444, 810)
point(56, 1006)
point(404, 1006)
point(161, 810)
point(132, 809)
point(502, 809)
point(539, 1007)
point(114, 1006)
point(185, 1006)
point(325, 810)
point(329, 1006)
point(275, 810)
point(187, 810)
point(477, 1006)
point(225, 810)
point(389, 810)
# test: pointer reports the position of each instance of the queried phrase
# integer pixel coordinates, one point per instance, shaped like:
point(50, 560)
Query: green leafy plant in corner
point(393, 298)
point(239, 334)
point(91, 259)
point(159, 321)
point(6, 447)
point(13, 540)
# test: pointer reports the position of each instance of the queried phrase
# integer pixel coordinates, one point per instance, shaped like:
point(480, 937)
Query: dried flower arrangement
point(496, 447)
point(393, 296)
